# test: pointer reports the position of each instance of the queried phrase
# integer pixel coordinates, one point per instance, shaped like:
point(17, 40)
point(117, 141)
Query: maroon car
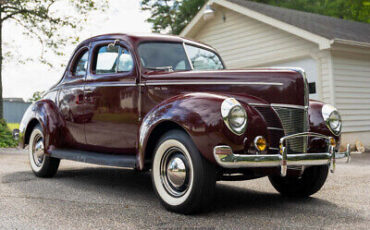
point(167, 104)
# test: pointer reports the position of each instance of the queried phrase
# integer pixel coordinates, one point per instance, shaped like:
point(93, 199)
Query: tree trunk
point(1, 69)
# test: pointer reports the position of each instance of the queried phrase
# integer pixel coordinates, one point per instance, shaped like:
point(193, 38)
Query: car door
point(111, 96)
point(71, 97)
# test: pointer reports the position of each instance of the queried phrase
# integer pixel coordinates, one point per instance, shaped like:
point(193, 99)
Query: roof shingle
point(328, 27)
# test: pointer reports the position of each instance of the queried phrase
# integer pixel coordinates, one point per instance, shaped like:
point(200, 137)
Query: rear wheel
point(311, 181)
point(41, 165)
point(183, 180)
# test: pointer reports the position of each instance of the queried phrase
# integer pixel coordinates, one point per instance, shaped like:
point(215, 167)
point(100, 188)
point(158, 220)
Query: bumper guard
point(227, 159)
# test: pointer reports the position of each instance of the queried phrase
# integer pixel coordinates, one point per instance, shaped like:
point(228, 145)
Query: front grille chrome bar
point(225, 157)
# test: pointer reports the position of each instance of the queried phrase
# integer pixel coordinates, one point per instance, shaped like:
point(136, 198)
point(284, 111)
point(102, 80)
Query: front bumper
point(227, 159)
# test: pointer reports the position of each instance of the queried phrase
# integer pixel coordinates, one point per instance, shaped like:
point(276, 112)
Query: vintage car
point(168, 105)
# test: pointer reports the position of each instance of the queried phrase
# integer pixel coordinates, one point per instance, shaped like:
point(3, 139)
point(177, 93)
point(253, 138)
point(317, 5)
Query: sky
point(22, 80)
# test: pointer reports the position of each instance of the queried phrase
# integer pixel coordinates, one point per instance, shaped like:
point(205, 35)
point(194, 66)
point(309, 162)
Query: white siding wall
point(352, 90)
point(326, 73)
point(245, 42)
point(310, 66)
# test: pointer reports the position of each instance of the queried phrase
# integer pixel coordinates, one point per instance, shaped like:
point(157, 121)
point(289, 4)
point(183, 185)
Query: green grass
point(6, 137)
point(12, 126)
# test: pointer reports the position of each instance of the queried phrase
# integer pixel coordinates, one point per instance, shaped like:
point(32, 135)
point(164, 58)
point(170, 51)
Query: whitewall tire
point(183, 180)
point(41, 164)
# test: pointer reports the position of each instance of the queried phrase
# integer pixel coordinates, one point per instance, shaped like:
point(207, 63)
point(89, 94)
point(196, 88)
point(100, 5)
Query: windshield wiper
point(163, 68)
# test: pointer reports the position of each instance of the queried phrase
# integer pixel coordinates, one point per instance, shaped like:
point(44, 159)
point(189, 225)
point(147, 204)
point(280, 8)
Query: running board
point(127, 161)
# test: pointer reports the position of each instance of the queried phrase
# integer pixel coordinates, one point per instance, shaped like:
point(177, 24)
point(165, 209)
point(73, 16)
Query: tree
point(356, 10)
point(36, 96)
point(172, 16)
point(42, 20)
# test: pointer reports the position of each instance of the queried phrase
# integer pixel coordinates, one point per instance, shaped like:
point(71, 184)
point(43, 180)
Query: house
point(14, 109)
point(335, 53)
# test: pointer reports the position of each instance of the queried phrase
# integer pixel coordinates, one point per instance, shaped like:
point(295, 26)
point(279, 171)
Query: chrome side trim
point(289, 106)
point(274, 128)
point(213, 83)
point(187, 83)
point(105, 84)
point(111, 84)
point(259, 104)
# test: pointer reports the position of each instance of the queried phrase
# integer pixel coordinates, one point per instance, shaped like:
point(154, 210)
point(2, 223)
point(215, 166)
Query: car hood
point(274, 86)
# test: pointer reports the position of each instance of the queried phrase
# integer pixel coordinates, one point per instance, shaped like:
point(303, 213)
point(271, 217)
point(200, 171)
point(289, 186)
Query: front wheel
point(41, 165)
point(310, 182)
point(182, 179)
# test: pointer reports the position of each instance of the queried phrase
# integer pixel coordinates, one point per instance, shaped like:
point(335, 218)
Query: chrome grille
point(294, 120)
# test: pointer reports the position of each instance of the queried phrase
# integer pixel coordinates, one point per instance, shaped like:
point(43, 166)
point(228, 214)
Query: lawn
point(12, 126)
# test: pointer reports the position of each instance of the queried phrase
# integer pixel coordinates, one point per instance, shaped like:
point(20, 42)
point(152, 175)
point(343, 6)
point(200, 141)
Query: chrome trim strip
point(98, 84)
point(187, 83)
point(258, 70)
point(110, 84)
point(259, 104)
point(275, 128)
point(213, 83)
point(187, 55)
point(289, 106)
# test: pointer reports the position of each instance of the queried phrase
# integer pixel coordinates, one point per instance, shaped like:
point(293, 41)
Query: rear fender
point(45, 113)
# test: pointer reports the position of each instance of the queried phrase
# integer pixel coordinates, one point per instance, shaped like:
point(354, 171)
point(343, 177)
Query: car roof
point(144, 37)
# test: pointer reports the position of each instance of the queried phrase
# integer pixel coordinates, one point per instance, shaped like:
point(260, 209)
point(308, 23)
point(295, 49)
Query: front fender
point(199, 114)
point(45, 113)
point(318, 125)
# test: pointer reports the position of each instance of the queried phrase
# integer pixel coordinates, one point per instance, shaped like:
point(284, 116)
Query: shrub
point(6, 137)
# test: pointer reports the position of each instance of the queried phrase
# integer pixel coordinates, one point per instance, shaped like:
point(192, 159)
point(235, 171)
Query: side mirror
point(312, 87)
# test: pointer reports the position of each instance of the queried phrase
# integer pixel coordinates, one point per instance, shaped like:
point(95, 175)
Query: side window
point(113, 59)
point(203, 59)
point(80, 67)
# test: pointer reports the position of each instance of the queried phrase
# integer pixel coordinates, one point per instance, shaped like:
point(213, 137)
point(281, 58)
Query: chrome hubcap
point(175, 172)
point(38, 150)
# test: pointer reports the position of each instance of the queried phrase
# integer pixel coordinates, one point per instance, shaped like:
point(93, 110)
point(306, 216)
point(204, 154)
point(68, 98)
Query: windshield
point(173, 57)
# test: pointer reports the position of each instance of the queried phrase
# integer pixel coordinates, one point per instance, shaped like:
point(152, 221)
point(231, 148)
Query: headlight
point(332, 118)
point(234, 115)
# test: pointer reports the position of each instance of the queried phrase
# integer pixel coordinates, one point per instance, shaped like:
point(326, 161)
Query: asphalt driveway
point(84, 196)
